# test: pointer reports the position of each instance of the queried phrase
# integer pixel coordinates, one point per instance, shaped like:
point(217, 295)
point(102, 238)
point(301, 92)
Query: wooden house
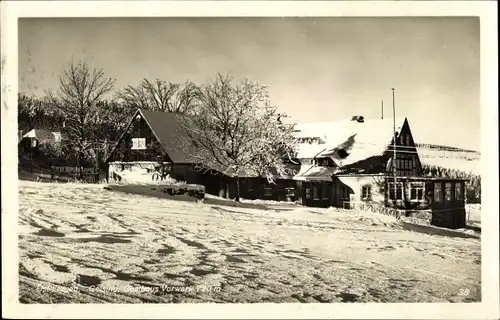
point(152, 142)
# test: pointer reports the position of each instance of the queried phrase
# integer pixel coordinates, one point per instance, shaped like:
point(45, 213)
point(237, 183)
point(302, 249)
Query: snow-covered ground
point(473, 214)
point(81, 243)
point(469, 166)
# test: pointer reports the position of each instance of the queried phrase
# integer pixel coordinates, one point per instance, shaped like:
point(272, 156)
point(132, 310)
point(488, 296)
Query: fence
point(62, 173)
point(84, 174)
point(373, 207)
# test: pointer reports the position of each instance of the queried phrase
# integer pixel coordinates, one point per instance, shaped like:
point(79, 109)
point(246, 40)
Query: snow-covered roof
point(309, 150)
point(42, 135)
point(315, 173)
point(361, 140)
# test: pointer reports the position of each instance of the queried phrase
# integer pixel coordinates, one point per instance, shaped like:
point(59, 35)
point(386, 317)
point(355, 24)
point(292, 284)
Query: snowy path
point(76, 238)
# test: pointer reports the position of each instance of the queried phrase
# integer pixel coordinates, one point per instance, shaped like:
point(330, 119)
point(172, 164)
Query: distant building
point(32, 140)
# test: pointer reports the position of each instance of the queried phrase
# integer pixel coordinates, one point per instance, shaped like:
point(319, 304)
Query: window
point(402, 139)
point(308, 193)
point(458, 191)
point(366, 193)
point(322, 162)
point(417, 191)
point(290, 192)
point(447, 191)
point(405, 166)
point(438, 197)
point(138, 143)
point(57, 137)
point(407, 139)
point(396, 191)
point(315, 193)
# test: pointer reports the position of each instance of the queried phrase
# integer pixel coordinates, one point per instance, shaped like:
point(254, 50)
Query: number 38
point(463, 292)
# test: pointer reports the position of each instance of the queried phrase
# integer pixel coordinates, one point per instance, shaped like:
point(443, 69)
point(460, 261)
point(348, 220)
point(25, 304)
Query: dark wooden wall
point(153, 151)
point(449, 213)
point(316, 194)
point(252, 188)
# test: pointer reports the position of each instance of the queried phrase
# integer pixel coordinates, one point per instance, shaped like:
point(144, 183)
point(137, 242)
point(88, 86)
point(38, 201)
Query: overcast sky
point(317, 69)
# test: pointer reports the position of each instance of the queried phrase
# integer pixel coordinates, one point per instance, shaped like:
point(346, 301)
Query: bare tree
point(80, 90)
point(159, 95)
point(236, 129)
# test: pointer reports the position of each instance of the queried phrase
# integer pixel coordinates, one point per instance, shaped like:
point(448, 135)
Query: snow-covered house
point(352, 161)
point(150, 148)
point(37, 137)
point(343, 161)
point(30, 143)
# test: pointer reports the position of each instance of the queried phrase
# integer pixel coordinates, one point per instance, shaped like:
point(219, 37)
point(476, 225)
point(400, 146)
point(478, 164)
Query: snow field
point(81, 243)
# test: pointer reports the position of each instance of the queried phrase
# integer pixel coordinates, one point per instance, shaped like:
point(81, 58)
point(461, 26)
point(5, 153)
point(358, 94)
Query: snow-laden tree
point(235, 130)
point(159, 95)
point(80, 90)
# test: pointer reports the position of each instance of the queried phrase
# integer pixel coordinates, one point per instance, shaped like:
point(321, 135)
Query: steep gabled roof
point(361, 140)
point(347, 142)
point(167, 128)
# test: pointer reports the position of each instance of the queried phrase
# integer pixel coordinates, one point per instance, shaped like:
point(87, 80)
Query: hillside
point(80, 243)
point(468, 161)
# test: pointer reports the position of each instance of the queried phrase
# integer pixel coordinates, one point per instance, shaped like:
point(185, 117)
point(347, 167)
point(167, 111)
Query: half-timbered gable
point(153, 141)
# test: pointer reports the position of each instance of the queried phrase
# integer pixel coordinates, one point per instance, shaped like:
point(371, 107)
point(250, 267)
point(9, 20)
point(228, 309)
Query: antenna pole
point(394, 143)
